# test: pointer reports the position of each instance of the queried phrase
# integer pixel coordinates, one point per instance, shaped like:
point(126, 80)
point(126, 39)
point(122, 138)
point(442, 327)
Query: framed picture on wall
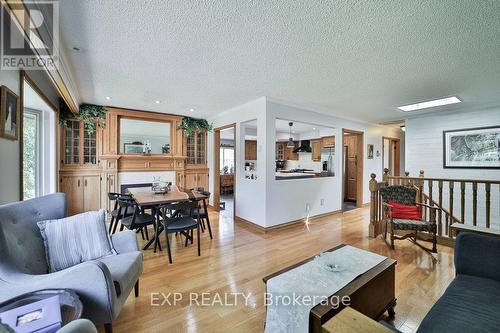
point(9, 114)
point(133, 148)
point(370, 151)
point(477, 148)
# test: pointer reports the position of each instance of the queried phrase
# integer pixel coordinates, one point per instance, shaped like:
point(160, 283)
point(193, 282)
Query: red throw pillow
point(408, 212)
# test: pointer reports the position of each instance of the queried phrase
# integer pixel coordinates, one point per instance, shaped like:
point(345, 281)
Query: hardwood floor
point(237, 259)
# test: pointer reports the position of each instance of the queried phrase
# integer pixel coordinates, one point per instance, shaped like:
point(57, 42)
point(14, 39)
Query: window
point(31, 154)
point(226, 159)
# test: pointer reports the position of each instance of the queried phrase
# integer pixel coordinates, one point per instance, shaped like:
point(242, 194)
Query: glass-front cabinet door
point(80, 147)
point(72, 142)
point(196, 148)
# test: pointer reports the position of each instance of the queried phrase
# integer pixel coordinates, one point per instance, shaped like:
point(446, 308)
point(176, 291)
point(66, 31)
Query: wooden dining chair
point(175, 222)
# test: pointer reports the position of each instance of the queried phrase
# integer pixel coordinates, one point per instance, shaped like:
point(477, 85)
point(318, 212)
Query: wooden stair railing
point(439, 192)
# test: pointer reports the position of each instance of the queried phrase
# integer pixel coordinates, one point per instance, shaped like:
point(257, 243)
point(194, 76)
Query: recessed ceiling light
point(191, 110)
point(314, 128)
point(430, 104)
point(108, 98)
point(157, 102)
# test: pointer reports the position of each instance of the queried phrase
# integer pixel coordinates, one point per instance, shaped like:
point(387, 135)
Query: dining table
point(145, 197)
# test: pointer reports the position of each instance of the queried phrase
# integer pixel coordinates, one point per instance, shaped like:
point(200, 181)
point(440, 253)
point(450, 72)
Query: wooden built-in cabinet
point(196, 149)
point(328, 141)
point(83, 192)
point(289, 154)
point(196, 178)
point(90, 163)
point(280, 150)
point(316, 146)
point(250, 150)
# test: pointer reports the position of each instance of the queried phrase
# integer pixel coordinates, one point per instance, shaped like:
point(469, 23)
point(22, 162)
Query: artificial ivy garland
point(91, 115)
point(191, 125)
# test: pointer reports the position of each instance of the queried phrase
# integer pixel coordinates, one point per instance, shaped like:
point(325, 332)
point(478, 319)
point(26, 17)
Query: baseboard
point(286, 224)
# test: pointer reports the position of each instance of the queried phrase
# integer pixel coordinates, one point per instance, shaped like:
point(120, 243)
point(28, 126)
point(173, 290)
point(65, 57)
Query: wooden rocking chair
point(407, 196)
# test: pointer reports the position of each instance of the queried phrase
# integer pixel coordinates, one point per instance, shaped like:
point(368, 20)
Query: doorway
point(352, 169)
point(391, 155)
point(225, 170)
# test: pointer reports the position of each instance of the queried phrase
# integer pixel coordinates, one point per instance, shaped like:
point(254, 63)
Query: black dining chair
point(113, 196)
point(137, 220)
point(183, 223)
point(203, 214)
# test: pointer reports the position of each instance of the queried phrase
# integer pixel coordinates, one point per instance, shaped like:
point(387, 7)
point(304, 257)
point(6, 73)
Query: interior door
point(91, 193)
point(351, 142)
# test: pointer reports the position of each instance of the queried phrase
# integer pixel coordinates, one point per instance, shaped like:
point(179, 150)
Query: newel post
point(373, 229)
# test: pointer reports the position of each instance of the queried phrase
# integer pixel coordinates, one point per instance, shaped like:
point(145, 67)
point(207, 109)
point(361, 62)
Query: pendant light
point(290, 143)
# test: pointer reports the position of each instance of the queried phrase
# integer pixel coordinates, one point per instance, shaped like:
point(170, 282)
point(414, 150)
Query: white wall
point(250, 194)
point(268, 202)
point(424, 151)
point(9, 150)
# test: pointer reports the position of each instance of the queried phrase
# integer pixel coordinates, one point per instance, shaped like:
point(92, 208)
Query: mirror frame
point(172, 133)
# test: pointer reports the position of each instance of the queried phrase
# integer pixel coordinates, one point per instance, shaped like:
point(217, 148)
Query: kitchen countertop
point(301, 175)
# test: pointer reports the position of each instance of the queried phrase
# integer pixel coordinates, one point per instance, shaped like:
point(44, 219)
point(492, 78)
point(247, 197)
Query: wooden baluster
point(487, 188)
point(440, 203)
point(431, 202)
point(449, 221)
point(421, 186)
point(462, 201)
point(474, 203)
point(373, 232)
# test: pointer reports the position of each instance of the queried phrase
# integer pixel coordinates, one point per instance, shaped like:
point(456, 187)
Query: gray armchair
point(103, 285)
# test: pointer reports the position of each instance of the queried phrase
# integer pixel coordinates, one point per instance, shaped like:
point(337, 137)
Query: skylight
point(430, 104)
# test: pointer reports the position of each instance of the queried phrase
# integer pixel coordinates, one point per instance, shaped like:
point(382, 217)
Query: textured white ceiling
point(357, 59)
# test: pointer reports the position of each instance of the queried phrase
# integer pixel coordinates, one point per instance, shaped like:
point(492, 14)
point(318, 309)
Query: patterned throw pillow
point(75, 239)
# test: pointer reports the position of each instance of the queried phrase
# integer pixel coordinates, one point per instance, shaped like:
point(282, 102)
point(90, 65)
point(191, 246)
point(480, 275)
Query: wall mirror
point(139, 136)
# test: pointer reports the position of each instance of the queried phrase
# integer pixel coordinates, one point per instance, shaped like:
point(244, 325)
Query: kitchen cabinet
point(289, 154)
point(250, 150)
point(328, 141)
point(83, 192)
point(316, 146)
point(280, 150)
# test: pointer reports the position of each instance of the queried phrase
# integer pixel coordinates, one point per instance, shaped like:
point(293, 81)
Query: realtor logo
point(39, 21)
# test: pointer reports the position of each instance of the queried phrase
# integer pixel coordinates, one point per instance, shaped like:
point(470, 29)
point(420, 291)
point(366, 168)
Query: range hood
point(305, 147)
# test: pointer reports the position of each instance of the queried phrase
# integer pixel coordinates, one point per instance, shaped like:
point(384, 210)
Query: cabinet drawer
point(161, 164)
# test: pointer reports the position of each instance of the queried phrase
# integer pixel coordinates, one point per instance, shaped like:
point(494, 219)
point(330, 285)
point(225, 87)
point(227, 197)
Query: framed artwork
point(370, 151)
point(133, 148)
point(9, 114)
point(477, 148)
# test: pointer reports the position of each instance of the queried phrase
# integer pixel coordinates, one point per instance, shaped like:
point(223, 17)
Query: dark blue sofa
point(471, 303)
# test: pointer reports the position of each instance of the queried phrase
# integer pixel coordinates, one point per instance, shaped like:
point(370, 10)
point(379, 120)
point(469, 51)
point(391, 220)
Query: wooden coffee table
point(371, 293)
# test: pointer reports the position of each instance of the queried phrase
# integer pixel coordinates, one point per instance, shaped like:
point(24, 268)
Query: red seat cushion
point(408, 212)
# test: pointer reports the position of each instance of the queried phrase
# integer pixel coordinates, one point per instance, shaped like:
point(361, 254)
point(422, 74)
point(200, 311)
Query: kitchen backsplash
point(305, 162)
